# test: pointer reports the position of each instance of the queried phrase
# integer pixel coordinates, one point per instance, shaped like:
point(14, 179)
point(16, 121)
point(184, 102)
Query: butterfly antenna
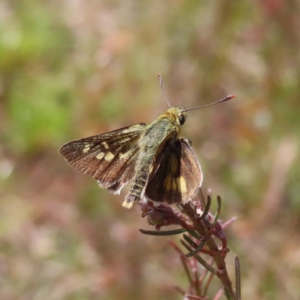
point(162, 89)
point(213, 103)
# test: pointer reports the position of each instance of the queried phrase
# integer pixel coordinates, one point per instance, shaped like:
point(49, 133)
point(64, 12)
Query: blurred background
point(74, 68)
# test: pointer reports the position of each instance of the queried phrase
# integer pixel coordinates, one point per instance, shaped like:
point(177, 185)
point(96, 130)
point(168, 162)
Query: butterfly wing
point(110, 157)
point(176, 174)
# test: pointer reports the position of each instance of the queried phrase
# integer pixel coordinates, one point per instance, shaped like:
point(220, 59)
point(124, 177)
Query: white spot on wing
point(105, 145)
point(109, 157)
point(181, 182)
point(86, 148)
point(124, 155)
point(100, 155)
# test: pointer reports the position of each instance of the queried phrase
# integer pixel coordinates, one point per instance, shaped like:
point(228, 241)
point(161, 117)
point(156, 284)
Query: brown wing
point(110, 157)
point(177, 176)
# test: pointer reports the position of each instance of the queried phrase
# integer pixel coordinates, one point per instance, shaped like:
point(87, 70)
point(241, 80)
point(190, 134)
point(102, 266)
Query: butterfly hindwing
point(176, 174)
point(110, 158)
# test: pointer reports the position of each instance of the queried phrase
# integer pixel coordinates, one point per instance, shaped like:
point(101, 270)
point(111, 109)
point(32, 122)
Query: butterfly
point(161, 166)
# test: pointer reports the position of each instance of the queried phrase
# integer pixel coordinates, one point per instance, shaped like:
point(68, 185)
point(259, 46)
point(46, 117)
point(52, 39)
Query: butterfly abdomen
point(138, 185)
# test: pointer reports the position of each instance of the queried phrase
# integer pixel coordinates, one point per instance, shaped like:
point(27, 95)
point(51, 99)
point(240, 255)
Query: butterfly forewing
point(176, 174)
point(109, 158)
point(127, 171)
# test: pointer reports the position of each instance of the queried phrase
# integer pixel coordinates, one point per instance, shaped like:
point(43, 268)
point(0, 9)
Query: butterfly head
point(176, 114)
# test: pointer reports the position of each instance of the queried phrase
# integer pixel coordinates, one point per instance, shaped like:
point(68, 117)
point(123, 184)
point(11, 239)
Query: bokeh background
point(74, 68)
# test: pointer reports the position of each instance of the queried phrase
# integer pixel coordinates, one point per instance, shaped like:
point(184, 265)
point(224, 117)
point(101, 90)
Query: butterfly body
point(164, 129)
point(162, 167)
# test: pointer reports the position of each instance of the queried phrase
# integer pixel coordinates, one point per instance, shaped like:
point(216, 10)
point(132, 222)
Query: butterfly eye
point(181, 119)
